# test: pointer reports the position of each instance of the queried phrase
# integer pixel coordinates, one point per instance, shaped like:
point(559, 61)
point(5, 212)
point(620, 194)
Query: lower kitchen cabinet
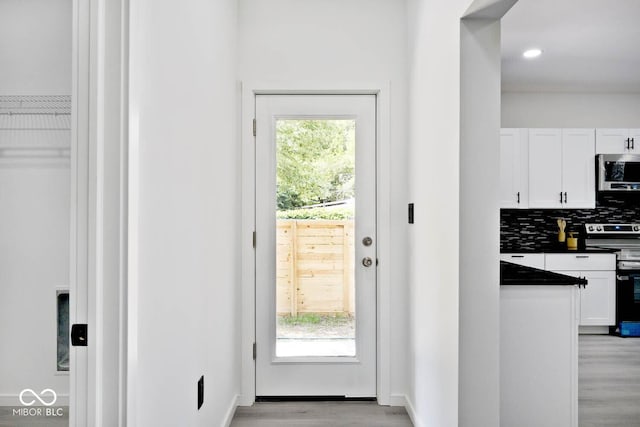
point(598, 299)
point(526, 259)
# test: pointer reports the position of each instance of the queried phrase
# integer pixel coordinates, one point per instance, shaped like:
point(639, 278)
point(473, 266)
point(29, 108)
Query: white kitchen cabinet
point(561, 168)
point(578, 168)
point(545, 168)
point(514, 168)
point(617, 141)
point(598, 298)
point(527, 259)
point(580, 261)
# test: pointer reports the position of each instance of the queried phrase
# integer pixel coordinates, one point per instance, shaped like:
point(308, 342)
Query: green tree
point(316, 161)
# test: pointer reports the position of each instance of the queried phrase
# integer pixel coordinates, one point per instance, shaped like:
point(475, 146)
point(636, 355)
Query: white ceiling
point(588, 46)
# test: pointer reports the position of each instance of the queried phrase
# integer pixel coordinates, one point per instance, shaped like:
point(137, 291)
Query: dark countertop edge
point(558, 251)
point(518, 275)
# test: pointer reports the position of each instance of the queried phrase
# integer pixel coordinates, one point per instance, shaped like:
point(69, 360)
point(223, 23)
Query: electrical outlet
point(200, 392)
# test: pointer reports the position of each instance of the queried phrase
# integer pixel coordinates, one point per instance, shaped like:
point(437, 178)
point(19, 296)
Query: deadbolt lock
point(367, 241)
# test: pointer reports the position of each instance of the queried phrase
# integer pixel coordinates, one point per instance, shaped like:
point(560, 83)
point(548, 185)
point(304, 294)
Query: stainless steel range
point(624, 239)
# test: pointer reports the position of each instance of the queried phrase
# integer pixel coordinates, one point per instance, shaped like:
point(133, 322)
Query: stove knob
point(599, 228)
point(591, 228)
point(636, 228)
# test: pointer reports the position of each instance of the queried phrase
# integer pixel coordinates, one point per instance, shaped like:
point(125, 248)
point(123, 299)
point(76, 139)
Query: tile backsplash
point(537, 229)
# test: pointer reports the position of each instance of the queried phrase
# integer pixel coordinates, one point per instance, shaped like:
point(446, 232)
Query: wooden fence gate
point(315, 267)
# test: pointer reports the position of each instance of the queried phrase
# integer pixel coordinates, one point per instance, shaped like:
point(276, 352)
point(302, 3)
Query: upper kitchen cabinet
point(578, 168)
point(617, 141)
point(514, 168)
point(545, 168)
point(561, 168)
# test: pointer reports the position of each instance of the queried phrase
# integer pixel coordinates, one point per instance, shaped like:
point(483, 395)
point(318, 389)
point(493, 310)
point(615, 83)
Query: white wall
point(479, 352)
point(338, 41)
point(534, 109)
point(35, 59)
point(184, 186)
point(35, 41)
point(434, 55)
point(34, 262)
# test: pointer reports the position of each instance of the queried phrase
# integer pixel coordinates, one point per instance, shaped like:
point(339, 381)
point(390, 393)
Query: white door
point(545, 168)
point(578, 166)
point(315, 245)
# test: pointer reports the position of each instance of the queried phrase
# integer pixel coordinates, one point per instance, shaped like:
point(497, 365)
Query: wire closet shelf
point(35, 104)
point(35, 126)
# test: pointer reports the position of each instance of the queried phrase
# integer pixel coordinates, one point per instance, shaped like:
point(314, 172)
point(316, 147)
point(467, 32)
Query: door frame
point(99, 192)
point(249, 90)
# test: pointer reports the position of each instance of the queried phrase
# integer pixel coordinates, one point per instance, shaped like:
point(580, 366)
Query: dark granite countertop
point(519, 275)
point(550, 250)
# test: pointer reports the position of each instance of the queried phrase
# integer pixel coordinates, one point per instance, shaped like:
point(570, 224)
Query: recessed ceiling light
point(532, 53)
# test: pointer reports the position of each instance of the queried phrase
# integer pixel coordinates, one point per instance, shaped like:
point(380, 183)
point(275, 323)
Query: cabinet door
point(612, 141)
point(580, 262)
point(598, 299)
point(634, 134)
point(545, 168)
point(578, 168)
point(513, 168)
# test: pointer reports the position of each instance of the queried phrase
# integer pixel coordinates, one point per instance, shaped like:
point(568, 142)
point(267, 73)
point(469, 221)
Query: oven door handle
point(628, 265)
point(621, 278)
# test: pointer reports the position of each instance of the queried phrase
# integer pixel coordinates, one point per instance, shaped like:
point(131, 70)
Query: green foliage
point(337, 319)
point(316, 213)
point(315, 161)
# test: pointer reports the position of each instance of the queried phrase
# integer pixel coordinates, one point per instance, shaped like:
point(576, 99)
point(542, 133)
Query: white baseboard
point(246, 400)
point(411, 411)
point(13, 400)
point(397, 400)
point(231, 411)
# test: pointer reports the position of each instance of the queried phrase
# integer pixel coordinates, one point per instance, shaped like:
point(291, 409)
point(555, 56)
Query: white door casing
point(346, 376)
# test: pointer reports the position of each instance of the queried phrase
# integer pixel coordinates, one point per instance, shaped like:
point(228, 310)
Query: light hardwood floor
point(609, 381)
point(7, 419)
point(321, 414)
point(609, 396)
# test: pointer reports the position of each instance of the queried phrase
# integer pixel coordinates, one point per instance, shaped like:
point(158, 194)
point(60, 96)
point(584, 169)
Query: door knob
point(367, 262)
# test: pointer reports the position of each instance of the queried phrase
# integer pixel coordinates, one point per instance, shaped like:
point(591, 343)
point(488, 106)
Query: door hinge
point(254, 127)
point(254, 351)
point(254, 239)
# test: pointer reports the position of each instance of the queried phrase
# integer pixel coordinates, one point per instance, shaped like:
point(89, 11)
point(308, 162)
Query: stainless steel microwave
point(618, 172)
